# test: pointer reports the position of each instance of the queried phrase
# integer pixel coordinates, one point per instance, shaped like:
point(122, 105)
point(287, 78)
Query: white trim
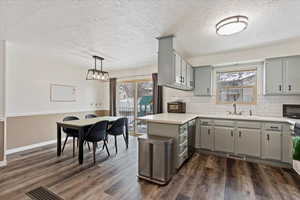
point(32, 146)
point(249, 62)
point(3, 163)
point(51, 112)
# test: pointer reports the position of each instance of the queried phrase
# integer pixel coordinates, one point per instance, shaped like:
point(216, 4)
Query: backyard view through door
point(135, 99)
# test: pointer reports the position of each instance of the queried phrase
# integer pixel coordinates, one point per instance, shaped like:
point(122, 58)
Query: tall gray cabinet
point(173, 70)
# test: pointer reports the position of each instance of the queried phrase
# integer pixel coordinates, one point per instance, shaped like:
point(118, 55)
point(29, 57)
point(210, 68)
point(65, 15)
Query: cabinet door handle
point(208, 131)
point(280, 88)
point(268, 137)
point(231, 133)
point(240, 133)
point(290, 87)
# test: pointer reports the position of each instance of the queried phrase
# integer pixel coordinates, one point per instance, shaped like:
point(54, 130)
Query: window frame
point(254, 102)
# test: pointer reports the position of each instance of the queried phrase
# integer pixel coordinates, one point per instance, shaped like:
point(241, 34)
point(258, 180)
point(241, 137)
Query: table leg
point(58, 140)
point(127, 135)
point(81, 141)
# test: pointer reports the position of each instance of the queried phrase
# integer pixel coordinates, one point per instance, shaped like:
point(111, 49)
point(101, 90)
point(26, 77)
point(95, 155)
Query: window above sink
point(238, 87)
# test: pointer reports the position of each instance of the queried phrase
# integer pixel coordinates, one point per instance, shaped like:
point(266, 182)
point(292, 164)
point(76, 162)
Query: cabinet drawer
point(272, 126)
point(206, 122)
point(255, 125)
point(225, 123)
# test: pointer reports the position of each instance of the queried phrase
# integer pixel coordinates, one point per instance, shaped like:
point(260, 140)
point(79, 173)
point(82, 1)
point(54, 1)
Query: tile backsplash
point(266, 105)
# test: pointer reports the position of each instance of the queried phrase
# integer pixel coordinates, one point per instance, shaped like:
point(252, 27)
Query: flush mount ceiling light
point(232, 25)
point(95, 74)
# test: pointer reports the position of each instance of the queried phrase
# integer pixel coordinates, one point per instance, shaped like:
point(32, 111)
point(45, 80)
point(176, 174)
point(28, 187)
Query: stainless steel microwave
point(291, 111)
point(176, 107)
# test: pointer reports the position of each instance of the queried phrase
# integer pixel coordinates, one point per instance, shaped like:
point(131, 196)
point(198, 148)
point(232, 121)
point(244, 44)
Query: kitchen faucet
point(234, 108)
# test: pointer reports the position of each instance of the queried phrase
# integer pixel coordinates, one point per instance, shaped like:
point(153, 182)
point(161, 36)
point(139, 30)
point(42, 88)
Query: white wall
point(290, 47)
point(31, 70)
point(2, 75)
point(266, 105)
point(134, 73)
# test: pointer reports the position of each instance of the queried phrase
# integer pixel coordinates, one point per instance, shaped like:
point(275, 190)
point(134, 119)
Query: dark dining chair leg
point(124, 139)
point(65, 144)
point(106, 147)
point(88, 146)
point(73, 146)
point(116, 145)
point(106, 139)
point(94, 152)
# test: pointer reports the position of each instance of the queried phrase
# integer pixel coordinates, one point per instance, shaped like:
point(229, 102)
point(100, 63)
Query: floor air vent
point(42, 193)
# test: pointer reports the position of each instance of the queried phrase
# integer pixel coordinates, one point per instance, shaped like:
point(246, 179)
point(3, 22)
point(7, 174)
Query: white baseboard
point(24, 148)
point(3, 163)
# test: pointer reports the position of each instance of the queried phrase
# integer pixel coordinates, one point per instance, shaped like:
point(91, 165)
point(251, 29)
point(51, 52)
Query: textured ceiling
point(124, 31)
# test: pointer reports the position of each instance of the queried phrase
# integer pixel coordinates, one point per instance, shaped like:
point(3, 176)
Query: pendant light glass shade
point(95, 74)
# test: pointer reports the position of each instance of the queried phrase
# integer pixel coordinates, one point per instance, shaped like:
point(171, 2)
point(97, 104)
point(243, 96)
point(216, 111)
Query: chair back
point(97, 132)
point(118, 126)
point(89, 116)
point(69, 118)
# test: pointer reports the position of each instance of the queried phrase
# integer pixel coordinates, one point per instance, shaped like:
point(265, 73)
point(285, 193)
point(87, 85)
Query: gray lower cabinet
point(198, 134)
point(287, 146)
point(207, 137)
point(271, 144)
point(248, 142)
point(224, 139)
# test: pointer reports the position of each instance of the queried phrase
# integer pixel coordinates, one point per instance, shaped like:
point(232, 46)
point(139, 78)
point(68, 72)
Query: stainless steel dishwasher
point(191, 137)
point(155, 158)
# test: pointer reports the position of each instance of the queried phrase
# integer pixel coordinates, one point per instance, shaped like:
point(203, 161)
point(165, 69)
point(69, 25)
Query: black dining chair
point(97, 133)
point(89, 116)
point(70, 133)
point(118, 128)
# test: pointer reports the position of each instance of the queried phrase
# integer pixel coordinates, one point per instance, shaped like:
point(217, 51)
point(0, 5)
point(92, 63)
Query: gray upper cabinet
point(292, 75)
point(189, 76)
point(274, 76)
point(202, 78)
point(282, 75)
point(173, 70)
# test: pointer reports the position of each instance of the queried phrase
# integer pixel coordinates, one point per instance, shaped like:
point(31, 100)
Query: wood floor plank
point(202, 177)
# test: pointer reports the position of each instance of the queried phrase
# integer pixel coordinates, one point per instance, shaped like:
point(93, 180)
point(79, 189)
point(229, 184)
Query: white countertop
point(169, 118)
point(181, 118)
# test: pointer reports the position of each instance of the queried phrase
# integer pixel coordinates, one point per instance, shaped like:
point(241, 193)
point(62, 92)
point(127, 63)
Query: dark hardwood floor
point(202, 177)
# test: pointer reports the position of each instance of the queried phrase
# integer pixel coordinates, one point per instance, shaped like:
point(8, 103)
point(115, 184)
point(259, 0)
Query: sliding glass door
point(134, 99)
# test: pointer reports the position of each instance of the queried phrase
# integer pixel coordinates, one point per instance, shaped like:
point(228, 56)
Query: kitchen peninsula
point(253, 138)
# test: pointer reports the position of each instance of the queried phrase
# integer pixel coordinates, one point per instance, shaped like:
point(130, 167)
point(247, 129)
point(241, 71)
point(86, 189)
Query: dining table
point(82, 126)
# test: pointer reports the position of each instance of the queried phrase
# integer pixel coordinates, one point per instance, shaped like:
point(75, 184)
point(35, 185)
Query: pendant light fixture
point(232, 25)
point(95, 74)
